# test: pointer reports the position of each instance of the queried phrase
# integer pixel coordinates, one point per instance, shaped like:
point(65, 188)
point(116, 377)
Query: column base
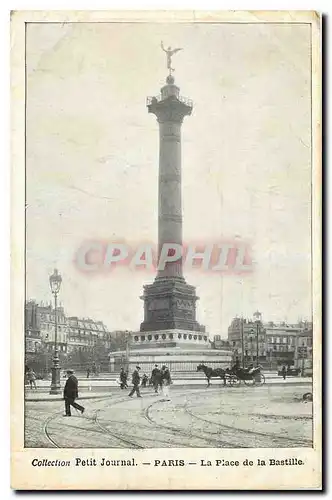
point(55, 390)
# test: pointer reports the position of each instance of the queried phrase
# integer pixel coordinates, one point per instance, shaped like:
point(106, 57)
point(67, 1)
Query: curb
point(100, 395)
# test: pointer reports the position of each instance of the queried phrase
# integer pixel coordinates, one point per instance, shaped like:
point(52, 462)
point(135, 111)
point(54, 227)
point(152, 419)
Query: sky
point(92, 161)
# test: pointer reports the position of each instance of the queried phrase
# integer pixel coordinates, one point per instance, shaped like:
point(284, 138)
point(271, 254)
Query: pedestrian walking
point(156, 378)
point(166, 378)
point(32, 378)
point(70, 393)
point(123, 379)
point(135, 381)
point(284, 372)
point(88, 373)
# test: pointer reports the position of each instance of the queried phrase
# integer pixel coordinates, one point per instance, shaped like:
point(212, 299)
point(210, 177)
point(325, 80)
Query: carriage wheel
point(260, 380)
point(236, 381)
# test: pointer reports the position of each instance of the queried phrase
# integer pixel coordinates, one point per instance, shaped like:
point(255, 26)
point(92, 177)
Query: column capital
point(171, 109)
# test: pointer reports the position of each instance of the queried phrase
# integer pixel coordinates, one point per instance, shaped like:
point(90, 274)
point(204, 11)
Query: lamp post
point(254, 333)
point(303, 350)
point(257, 342)
point(55, 284)
point(242, 341)
point(257, 320)
point(127, 333)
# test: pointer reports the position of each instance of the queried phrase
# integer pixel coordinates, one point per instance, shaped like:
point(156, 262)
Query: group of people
point(92, 370)
point(237, 367)
point(160, 379)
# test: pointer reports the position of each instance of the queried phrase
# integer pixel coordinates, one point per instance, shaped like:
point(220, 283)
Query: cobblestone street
point(266, 416)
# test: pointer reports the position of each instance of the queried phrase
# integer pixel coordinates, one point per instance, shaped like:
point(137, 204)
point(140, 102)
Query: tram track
point(212, 438)
point(248, 432)
point(56, 414)
point(216, 442)
point(103, 430)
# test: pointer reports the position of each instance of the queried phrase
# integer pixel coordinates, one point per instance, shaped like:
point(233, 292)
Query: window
point(278, 340)
point(179, 336)
point(171, 336)
point(185, 336)
point(163, 336)
point(136, 338)
point(156, 337)
point(142, 338)
point(195, 337)
point(205, 338)
point(149, 337)
point(190, 337)
point(200, 337)
point(285, 340)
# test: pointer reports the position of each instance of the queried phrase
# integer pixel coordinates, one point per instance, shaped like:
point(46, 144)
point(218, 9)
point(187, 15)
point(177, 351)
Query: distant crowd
point(160, 379)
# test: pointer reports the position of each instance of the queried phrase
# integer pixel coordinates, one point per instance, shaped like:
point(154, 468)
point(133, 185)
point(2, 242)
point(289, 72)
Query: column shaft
point(170, 206)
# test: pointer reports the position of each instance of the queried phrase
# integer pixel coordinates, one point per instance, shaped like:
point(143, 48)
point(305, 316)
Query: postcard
point(166, 250)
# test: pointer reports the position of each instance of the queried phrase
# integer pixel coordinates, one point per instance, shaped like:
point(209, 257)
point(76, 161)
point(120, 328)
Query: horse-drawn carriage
point(234, 376)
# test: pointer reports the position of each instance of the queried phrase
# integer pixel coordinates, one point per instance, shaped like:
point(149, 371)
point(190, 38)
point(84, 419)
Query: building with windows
point(73, 333)
point(33, 339)
point(278, 343)
point(46, 318)
point(247, 337)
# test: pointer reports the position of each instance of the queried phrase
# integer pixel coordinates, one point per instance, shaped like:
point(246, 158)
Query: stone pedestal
point(170, 303)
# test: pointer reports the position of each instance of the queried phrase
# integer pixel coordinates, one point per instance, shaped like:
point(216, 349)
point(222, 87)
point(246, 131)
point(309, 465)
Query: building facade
point(278, 343)
point(247, 337)
point(74, 334)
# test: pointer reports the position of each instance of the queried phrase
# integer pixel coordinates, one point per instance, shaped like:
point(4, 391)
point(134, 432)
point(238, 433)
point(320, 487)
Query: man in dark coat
point(156, 378)
point(135, 381)
point(70, 393)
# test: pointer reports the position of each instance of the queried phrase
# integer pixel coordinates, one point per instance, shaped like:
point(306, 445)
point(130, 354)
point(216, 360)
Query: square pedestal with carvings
point(170, 303)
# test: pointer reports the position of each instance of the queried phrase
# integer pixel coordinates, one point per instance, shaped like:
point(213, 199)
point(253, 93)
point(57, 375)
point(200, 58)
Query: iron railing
point(159, 98)
point(146, 366)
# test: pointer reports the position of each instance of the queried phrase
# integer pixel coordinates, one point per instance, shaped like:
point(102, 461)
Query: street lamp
point(257, 316)
point(127, 338)
point(303, 350)
point(242, 342)
point(55, 284)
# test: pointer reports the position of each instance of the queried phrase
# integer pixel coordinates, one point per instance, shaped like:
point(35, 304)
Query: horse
point(212, 373)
